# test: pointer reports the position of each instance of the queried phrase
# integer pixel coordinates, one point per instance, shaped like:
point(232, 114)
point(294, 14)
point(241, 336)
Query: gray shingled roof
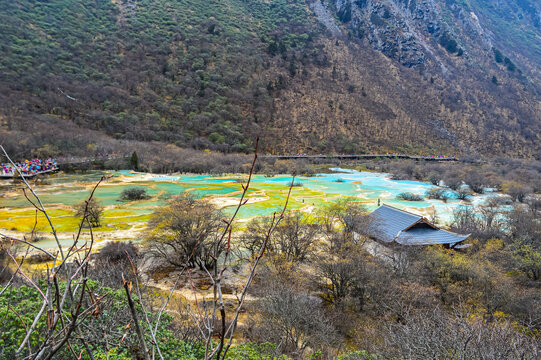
point(391, 224)
point(427, 236)
point(387, 222)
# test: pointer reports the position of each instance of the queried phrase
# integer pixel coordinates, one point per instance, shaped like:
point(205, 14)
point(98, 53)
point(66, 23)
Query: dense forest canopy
point(322, 77)
point(184, 72)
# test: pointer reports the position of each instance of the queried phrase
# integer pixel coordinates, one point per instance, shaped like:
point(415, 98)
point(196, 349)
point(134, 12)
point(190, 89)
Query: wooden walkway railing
point(31, 175)
point(62, 164)
point(362, 156)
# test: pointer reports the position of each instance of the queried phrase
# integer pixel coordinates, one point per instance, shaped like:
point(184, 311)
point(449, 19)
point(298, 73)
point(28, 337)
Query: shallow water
point(267, 196)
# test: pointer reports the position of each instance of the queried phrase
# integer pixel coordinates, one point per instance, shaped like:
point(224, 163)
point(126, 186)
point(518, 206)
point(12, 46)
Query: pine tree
point(134, 161)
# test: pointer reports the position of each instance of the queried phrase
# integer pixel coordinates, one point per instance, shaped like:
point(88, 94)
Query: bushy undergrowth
point(408, 196)
point(133, 194)
point(104, 331)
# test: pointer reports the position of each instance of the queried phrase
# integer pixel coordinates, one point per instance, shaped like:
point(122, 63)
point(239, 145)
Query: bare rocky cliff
point(421, 75)
point(413, 32)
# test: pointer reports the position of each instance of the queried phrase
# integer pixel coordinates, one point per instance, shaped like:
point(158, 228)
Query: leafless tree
point(534, 202)
point(255, 234)
point(453, 181)
point(341, 275)
point(91, 210)
point(475, 181)
point(464, 220)
point(341, 221)
point(519, 192)
point(463, 193)
point(294, 320)
point(523, 224)
point(434, 178)
point(186, 231)
point(492, 217)
point(438, 193)
point(437, 334)
point(110, 263)
point(295, 237)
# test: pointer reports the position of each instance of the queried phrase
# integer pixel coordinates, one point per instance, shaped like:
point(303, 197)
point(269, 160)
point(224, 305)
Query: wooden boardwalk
point(361, 157)
point(27, 176)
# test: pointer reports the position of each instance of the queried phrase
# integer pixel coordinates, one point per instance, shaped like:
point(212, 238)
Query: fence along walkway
point(15, 174)
point(61, 162)
point(363, 156)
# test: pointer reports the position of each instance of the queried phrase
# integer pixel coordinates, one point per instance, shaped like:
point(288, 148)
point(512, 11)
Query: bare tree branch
point(41, 207)
point(133, 311)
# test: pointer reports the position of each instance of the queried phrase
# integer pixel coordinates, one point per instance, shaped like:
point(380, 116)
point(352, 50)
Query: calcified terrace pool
point(127, 220)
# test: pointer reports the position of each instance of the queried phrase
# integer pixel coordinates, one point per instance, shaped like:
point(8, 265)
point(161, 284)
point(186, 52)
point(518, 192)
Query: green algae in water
point(70, 189)
point(166, 187)
point(124, 212)
point(150, 203)
point(26, 223)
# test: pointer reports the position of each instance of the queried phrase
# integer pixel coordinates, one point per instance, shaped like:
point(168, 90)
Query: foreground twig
point(133, 312)
point(40, 207)
point(209, 320)
point(63, 308)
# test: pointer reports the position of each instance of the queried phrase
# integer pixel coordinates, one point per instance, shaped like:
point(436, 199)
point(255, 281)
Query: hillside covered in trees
point(83, 77)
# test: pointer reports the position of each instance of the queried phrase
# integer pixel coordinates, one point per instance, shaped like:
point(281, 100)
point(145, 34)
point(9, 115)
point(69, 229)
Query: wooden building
point(389, 224)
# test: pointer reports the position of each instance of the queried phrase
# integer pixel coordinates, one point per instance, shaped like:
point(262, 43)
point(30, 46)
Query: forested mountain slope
point(323, 76)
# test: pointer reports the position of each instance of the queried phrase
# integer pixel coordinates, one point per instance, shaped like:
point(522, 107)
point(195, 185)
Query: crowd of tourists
point(28, 167)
